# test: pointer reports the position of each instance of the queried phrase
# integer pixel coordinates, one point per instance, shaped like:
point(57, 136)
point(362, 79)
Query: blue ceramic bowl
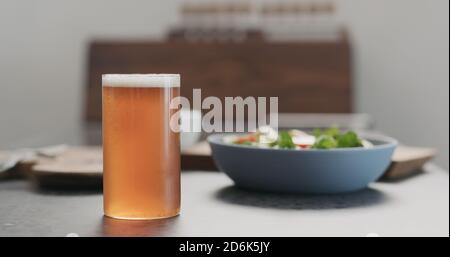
point(303, 171)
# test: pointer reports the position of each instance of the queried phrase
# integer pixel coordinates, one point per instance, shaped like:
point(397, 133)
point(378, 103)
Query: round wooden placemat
point(75, 167)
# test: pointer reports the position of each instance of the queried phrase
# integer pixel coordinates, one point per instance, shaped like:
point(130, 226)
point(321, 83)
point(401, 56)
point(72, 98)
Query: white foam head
point(141, 80)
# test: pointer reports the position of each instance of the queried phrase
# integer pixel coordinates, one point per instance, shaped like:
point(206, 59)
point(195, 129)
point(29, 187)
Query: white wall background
point(401, 63)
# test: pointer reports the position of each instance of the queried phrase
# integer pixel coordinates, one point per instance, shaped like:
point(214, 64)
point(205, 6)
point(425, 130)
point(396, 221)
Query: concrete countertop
point(212, 206)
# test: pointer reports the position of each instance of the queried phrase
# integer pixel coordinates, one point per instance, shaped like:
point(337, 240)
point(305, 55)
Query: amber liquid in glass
point(141, 153)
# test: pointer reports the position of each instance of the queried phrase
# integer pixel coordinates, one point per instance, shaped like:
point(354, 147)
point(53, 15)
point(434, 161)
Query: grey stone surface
point(212, 206)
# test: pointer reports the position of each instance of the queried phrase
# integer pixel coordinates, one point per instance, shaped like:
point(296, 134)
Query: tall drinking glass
point(141, 156)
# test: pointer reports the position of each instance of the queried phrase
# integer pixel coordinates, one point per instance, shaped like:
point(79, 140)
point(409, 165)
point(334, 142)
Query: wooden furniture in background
point(308, 77)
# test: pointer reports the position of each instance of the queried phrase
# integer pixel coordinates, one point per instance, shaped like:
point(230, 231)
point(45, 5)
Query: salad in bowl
point(267, 137)
point(294, 161)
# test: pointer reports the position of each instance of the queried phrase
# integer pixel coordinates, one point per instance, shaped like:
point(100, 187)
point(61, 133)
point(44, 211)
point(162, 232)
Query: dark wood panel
point(307, 77)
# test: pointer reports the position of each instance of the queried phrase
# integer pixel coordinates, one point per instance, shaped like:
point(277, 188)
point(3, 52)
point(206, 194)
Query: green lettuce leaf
point(285, 140)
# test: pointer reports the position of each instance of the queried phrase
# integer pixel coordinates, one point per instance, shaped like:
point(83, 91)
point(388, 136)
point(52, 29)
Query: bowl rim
point(386, 142)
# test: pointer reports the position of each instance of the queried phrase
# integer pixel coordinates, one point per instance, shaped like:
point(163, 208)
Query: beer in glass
point(141, 156)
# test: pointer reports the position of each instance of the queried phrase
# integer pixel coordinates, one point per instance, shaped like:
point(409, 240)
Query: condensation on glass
point(141, 156)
